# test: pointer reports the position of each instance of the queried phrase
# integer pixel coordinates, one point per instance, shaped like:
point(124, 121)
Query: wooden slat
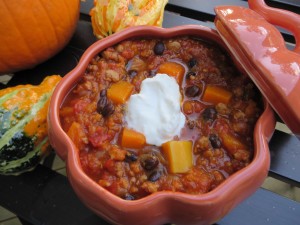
point(43, 197)
point(204, 10)
point(61, 64)
point(285, 158)
point(172, 20)
point(52, 201)
point(295, 3)
point(206, 7)
point(83, 37)
point(264, 208)
point(201, 12)
point(86, 6)
point(5, 214)
point(292, 5)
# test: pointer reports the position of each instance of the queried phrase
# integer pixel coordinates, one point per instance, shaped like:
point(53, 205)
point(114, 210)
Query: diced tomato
point(80, 106)
point(127, 54)
point(110, 166)
point(98, 137)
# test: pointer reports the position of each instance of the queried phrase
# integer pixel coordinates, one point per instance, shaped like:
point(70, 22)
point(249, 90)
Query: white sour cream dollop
point(155, 111)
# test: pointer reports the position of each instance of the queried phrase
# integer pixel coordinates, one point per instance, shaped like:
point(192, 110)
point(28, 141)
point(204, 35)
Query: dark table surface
point(44, 196)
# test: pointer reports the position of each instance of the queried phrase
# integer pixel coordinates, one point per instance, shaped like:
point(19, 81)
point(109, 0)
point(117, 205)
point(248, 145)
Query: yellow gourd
point(110, 16)
point(23, 125)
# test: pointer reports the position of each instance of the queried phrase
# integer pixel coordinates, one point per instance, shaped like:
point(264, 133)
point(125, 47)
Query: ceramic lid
point(257, 44)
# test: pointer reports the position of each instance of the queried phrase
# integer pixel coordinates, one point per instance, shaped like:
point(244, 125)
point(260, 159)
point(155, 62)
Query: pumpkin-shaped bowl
point(163, 206)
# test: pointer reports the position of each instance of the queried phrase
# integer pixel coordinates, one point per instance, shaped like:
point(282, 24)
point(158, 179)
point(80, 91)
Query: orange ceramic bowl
point(161, 207)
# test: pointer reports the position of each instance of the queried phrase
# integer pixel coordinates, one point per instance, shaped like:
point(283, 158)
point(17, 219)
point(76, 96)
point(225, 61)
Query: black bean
point(130, 157)
point(192, 91)
point(103, 93)
point(108, 109)
point(192, 62)
point(154, 176)
point(215, 141)
point(189, 74)
point(104, 107)
point(149, 162)
point(159, 48)
point(132, 73)
point(101, 104)
point(152, 73)
point(209, 114)
point(128, 197)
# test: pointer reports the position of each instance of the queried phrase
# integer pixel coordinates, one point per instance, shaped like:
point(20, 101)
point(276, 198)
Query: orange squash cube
point(215, 95)
point(120, 92)
point(231, 143)
point(173, 69)
point(132, 139)
point(179, 155)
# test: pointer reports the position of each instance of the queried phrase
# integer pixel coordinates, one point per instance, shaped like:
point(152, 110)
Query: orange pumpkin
point(32, 31)
point(110, 16)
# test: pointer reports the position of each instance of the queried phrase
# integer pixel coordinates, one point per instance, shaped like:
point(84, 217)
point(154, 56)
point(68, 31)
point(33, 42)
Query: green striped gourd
point(23, 125)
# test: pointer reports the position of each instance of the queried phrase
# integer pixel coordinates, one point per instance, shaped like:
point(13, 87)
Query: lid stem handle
point(279, 17)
